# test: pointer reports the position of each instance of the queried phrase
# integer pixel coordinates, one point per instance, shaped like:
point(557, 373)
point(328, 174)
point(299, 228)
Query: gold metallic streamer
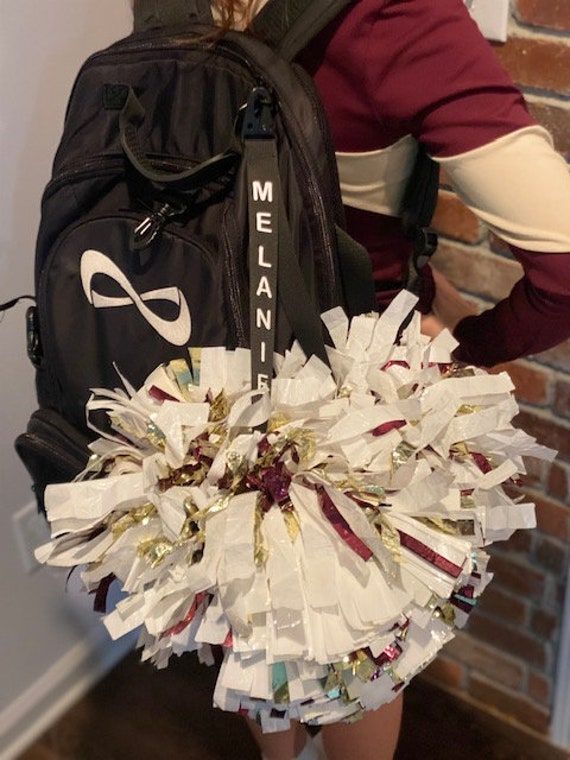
point(291, 523)
point(219, 408)
point(155, 549)
point(260, 552)
point(401, 454)
point(137, 516)
point(390, 538)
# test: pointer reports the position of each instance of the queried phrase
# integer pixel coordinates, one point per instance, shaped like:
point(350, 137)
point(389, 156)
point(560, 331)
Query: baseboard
point(561, 710)
point(63, 684)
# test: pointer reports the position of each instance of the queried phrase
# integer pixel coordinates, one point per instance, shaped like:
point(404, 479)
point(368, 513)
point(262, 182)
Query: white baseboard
point(63, 684)
point(560, 730)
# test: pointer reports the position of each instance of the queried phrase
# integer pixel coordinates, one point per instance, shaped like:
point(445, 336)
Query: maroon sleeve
point(431, 72)
point(535, 316)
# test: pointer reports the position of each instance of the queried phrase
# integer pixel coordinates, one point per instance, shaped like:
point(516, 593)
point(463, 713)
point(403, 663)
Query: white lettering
point(262, 381)
point(263, 351)
point(263, 221)
point(263, 193)
point(260, 258)
point(263, 318)
point(263, 288)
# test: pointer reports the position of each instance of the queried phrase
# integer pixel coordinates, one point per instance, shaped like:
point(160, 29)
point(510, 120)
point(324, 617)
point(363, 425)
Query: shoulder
point(429, 68)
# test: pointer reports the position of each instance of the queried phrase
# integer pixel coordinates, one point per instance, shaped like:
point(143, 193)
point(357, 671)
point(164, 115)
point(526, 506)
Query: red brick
point(492, 663)
point(517, 577)
point(453, 219)
point(556, 122)
point(552, 14)
point(558, 357)
point(543, 623)
point(539, 63)
point(513, 641)
point(562, 398)
point(444, 178)
point(519, 543)
point(532, 383)
point(497, 603)
point(546, 430)
point(497, 245)
point(447, 672)
point(552, 517)
point(477, 271)
point(539, 688)
point(536, 473)
point(551, 556)
point(558, 481)
point(515, 705)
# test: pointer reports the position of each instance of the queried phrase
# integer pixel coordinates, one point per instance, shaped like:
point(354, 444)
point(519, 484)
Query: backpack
point(194, 202)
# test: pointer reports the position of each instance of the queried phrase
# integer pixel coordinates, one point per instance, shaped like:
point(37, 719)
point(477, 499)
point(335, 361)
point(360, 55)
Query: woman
point(392, 73)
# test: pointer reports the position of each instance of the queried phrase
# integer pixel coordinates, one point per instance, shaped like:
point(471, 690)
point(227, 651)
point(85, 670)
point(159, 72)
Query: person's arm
point(431, 71)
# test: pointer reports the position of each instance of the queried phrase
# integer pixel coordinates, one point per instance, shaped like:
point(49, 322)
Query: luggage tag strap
point(274, 270)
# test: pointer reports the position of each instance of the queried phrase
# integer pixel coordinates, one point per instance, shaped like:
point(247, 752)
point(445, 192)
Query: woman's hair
point(234, 13)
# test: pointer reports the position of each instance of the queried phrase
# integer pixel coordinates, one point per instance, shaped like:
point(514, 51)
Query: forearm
point(529, 321)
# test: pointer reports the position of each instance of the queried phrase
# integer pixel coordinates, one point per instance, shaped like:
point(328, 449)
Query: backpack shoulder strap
point(416, 211)
point(289, 25)
point(154, 14)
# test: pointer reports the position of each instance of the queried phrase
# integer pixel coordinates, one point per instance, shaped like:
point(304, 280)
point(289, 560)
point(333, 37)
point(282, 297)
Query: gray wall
point(42, 45)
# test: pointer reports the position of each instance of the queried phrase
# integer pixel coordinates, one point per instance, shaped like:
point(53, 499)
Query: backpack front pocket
point(105, 307)
point(52, 450)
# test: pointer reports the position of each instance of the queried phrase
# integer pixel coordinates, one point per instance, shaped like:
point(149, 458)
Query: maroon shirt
point(391, 68)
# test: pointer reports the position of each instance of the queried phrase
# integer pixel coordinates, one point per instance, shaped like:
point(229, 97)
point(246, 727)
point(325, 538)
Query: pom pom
point(327, 536)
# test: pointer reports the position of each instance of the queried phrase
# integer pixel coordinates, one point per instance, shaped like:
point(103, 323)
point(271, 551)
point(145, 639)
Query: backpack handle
point(130, 119)
point(156, 14)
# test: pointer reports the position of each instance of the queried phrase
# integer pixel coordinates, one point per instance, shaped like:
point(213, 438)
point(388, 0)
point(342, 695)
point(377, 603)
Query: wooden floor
point(138, 713)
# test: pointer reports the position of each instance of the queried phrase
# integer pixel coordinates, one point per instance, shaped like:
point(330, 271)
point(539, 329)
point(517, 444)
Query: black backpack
point(194, 202)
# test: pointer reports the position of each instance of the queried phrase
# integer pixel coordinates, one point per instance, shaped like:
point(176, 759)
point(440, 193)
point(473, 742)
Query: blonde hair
point(234, 14)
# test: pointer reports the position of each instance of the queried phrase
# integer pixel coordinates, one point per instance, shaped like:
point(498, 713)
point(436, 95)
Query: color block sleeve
point(431, 72)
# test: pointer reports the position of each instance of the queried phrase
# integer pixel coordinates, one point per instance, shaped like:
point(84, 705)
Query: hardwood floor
point(139, 713)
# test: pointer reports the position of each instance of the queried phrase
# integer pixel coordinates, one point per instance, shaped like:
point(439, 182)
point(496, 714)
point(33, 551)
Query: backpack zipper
point(90, 164)
point(148, 230)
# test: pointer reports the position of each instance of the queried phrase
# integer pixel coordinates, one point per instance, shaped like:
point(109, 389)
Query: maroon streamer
point(460, 604)
point(388, 654)
point(341, 526)
point(181, 625)
point(387, 427)
point(482, 462)
point(159, 395)
point(100, 599)
point(422, 550)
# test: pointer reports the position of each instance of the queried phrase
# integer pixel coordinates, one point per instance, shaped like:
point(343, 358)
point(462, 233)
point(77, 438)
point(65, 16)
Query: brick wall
point(506, 656)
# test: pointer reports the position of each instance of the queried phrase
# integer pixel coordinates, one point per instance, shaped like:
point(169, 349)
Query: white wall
point(42, 45)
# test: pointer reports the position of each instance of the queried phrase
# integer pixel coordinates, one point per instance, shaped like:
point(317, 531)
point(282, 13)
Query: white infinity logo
point(176, 331)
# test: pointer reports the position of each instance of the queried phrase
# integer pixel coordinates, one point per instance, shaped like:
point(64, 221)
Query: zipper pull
point(147, 231)
point(33, 344)
point(257, 115)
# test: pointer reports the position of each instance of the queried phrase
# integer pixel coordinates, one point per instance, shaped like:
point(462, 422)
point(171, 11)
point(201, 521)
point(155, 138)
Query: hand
point(431, 325)
point(449, 306)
